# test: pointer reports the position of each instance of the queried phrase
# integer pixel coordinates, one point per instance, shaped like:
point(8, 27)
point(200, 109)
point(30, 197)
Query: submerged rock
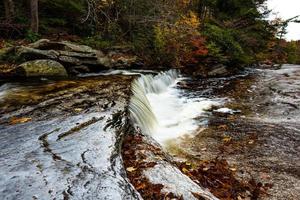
point(41, 68)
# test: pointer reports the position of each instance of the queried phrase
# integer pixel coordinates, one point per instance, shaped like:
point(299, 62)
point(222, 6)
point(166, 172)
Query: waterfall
point(161, 110)
point(139, 107)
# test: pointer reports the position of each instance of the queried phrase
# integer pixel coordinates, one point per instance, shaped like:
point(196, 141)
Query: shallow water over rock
point(62, 139)
point(260, 141)
point(68, 146)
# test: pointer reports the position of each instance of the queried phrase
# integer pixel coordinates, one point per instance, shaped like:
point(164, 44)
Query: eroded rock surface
point(68, 148)
point(260, 142)
point(154, 173)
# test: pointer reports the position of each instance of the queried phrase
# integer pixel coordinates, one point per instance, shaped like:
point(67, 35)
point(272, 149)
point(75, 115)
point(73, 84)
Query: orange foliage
point(197, 50)
point(182, 42)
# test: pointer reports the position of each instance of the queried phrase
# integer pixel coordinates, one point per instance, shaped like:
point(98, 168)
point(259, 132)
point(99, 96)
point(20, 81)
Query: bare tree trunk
point(202, 9)
point(34, 11)
point(9, 7)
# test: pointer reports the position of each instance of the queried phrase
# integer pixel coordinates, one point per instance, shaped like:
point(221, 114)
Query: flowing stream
point(50, 125)
point(161, 110)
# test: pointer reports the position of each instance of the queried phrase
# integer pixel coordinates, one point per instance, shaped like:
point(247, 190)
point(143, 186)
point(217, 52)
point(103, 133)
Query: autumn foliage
point(180, 43)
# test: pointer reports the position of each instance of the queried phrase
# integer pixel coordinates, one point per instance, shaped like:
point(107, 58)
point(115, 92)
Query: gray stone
point(64, 154)
point(78, 55)
point(219, 70)
point(76, 47)
point(70, 54)
point(39, 44)
point(32, 53)
point(68, 59)
point(64, 52)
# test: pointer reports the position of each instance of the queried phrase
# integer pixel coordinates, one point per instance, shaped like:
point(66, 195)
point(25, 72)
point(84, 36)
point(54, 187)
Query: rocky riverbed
point(252, 153)
point(60, 139)
point(72, 138)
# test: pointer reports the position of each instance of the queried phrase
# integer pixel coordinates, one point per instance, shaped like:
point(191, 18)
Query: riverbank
point(51, 58)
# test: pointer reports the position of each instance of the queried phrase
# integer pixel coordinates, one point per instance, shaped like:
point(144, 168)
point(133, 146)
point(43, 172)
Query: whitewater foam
point(158, 107)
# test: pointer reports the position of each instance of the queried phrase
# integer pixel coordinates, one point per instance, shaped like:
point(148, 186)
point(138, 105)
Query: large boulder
point(49, 68)
point(45, 44)
point(30, 53)
point(71, 55)
point(66, 53)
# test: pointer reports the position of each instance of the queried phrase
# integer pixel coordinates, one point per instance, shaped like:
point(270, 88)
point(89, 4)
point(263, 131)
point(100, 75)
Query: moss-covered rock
point(41, 68)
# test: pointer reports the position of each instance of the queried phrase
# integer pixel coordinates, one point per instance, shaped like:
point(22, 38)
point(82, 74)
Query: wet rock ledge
point(70, 139)
point(60, 140)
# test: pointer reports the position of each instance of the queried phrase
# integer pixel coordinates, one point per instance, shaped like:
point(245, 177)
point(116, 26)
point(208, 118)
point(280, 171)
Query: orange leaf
point(19, 120)
point(226, 139)
point(130, 169)
point(140, 186)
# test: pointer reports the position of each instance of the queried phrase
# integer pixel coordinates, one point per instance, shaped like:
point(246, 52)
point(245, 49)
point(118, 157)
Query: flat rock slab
point(59, 153)
point(36, 163)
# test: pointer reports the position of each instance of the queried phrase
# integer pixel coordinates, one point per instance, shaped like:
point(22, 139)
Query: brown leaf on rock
point(130, 169)
point(21, 120)
point(219, 177)
point(133, 153)
point(227, 139)
point(141, 186)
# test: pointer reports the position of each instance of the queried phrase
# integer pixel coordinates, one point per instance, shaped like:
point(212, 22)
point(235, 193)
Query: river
point(59, 138)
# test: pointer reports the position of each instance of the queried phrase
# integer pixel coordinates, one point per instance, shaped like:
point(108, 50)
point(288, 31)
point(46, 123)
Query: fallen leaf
point(185, 170)
point(240, 198)
point(188, 163)
point(20, 120)
point(78, 109)
point(232, 169)
point(250, 141)
point(158, 157)
point(205, 168)
point(130, 169)
point(141, 186)
point(143, 151)
point(227, 139)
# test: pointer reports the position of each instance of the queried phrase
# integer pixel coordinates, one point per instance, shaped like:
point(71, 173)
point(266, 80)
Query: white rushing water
point(159, 109)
